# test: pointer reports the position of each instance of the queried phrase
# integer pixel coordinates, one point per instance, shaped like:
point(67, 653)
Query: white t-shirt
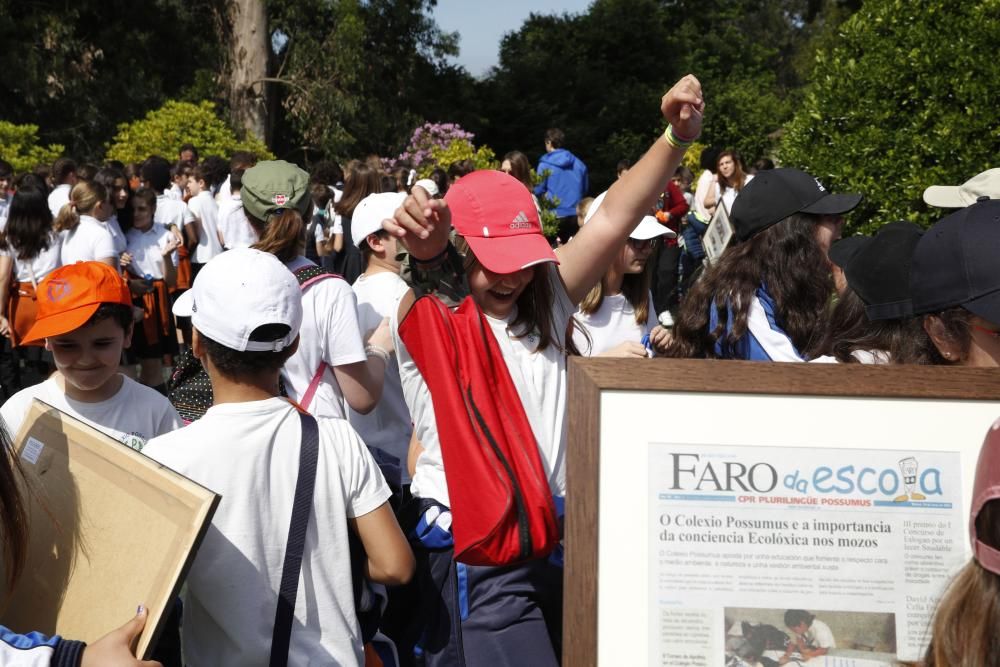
point(146, 248)
point(249, 453)
point(134, 415)
point(59, 197)
point(89, 241)
point(4, 209)
point(329, 333)
point(175, 192)
point(610, 325)
point(117, 236)
point(172, 212)
point(235, 228)
point(204, 208)
point(819, 635)
point(730, 195)
point(41, 265)
point(540, 378)
point(388, 426)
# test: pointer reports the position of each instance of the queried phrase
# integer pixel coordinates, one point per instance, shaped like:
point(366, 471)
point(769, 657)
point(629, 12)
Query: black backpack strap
point(302, 507)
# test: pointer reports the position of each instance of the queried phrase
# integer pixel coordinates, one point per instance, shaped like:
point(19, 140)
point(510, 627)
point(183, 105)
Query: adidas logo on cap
point(520, 221)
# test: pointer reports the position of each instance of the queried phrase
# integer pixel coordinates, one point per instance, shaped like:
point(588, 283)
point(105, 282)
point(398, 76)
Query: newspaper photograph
point(767, 556)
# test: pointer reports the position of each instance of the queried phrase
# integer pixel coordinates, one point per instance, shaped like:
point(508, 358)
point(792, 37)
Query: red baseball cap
point(986, 488)
point(496, 215)
point(70, 295)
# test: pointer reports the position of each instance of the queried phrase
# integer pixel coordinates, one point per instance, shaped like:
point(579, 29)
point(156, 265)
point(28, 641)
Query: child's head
point(197, 181)
point(236, 181)
point(86, 198)
point(29, 221)
point(516, 164)
point(64, 171)
point(366, 228)
point(554, 138)
point(498, 224)
point(143, 208)
point(85, 317)
point(116, 184)
point(187, 153)
point(155, 173)
point(683, 177)
point(622, 168)
point(798, 620)
point(320, 194)
point(582, 209)
point(246, 310)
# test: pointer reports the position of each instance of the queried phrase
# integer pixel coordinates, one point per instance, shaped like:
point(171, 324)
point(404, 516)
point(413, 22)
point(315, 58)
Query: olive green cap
point(273, 185)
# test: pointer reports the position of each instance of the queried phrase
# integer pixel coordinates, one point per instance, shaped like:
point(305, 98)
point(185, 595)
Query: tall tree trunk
point(248, 53)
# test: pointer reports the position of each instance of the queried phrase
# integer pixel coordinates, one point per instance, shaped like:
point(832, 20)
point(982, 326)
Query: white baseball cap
point(648, 228)
point(238, 291)
point(371, 211)
point(985, 184)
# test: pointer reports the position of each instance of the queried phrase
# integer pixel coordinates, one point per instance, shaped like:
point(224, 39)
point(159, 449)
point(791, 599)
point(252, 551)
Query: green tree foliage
point(77, 69)
point(354, 76)
point(904, 99)
point(19, 146)
point(164, 130)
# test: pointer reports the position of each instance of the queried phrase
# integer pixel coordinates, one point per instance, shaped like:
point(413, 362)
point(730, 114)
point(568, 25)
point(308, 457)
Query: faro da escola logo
point(908, 482)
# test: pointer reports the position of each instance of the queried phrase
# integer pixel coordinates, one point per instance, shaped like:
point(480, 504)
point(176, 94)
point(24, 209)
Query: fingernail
point(139, 610)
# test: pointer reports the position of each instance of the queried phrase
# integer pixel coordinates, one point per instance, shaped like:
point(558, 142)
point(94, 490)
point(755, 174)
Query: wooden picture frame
point(109, 529)
point(679, 395)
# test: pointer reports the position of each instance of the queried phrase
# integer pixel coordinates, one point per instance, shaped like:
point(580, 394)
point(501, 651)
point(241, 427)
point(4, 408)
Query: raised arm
point(583, 261)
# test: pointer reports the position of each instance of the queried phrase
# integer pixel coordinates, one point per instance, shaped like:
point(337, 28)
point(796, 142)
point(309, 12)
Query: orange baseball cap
point(69, 296)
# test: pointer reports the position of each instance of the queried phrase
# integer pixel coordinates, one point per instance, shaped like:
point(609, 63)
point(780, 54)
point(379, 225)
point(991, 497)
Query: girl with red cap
point(484, 615)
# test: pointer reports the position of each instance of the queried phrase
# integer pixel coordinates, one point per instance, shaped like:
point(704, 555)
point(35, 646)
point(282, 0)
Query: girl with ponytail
point(80, 223)
point(333, 363)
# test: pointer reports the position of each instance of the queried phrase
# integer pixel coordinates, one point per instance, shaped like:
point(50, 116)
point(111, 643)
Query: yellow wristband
point(672, 139)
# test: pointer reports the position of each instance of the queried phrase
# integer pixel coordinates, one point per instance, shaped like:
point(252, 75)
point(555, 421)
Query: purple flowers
point(426, 138)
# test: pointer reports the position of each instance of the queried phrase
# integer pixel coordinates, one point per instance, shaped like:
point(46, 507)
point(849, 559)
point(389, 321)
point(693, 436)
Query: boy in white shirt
point(379, 290)
point(85, 317)
point(246, 308)
point(203, 235)
point(234, 228)
point(152, 247)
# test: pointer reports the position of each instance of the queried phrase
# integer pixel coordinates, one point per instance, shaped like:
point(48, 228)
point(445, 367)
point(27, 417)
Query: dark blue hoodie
point(567, 180)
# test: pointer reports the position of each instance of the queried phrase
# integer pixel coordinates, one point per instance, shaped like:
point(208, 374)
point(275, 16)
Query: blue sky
point(481, 23)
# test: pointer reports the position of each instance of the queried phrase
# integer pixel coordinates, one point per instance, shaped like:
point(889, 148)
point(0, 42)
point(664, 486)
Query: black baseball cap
point(878, 268)
point(956, 263)
point(775, 194)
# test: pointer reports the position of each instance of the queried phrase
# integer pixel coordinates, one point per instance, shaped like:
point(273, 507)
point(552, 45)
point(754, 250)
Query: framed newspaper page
point(710, 502)
point(109, 529)
point(718, 234)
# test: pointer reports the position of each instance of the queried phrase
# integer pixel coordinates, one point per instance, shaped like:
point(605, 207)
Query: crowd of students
point(407, 331)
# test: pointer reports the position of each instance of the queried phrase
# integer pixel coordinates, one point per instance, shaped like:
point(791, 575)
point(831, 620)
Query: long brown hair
point(788, 262)
point(284, 235)
point(13, 514)
point(362, 181)
point(850, 330)
point(967, 618)
point(635, 289)
point(520, 168)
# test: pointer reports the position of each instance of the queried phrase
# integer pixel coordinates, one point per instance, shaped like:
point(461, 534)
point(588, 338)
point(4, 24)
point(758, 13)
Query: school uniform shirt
point(388, 426)
point(117, 236)
point(540, 378)
point(4, 210)
point(819, 635)
point(204, 208)
point(59, 197)
point(135, 414)
point(146, 248)
point(172, 212)
point(175, 192)
point(249, 453)
point(330, 334)
point(88, 241)
point(235, 228)
point(610, 325)
point(39, 266)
